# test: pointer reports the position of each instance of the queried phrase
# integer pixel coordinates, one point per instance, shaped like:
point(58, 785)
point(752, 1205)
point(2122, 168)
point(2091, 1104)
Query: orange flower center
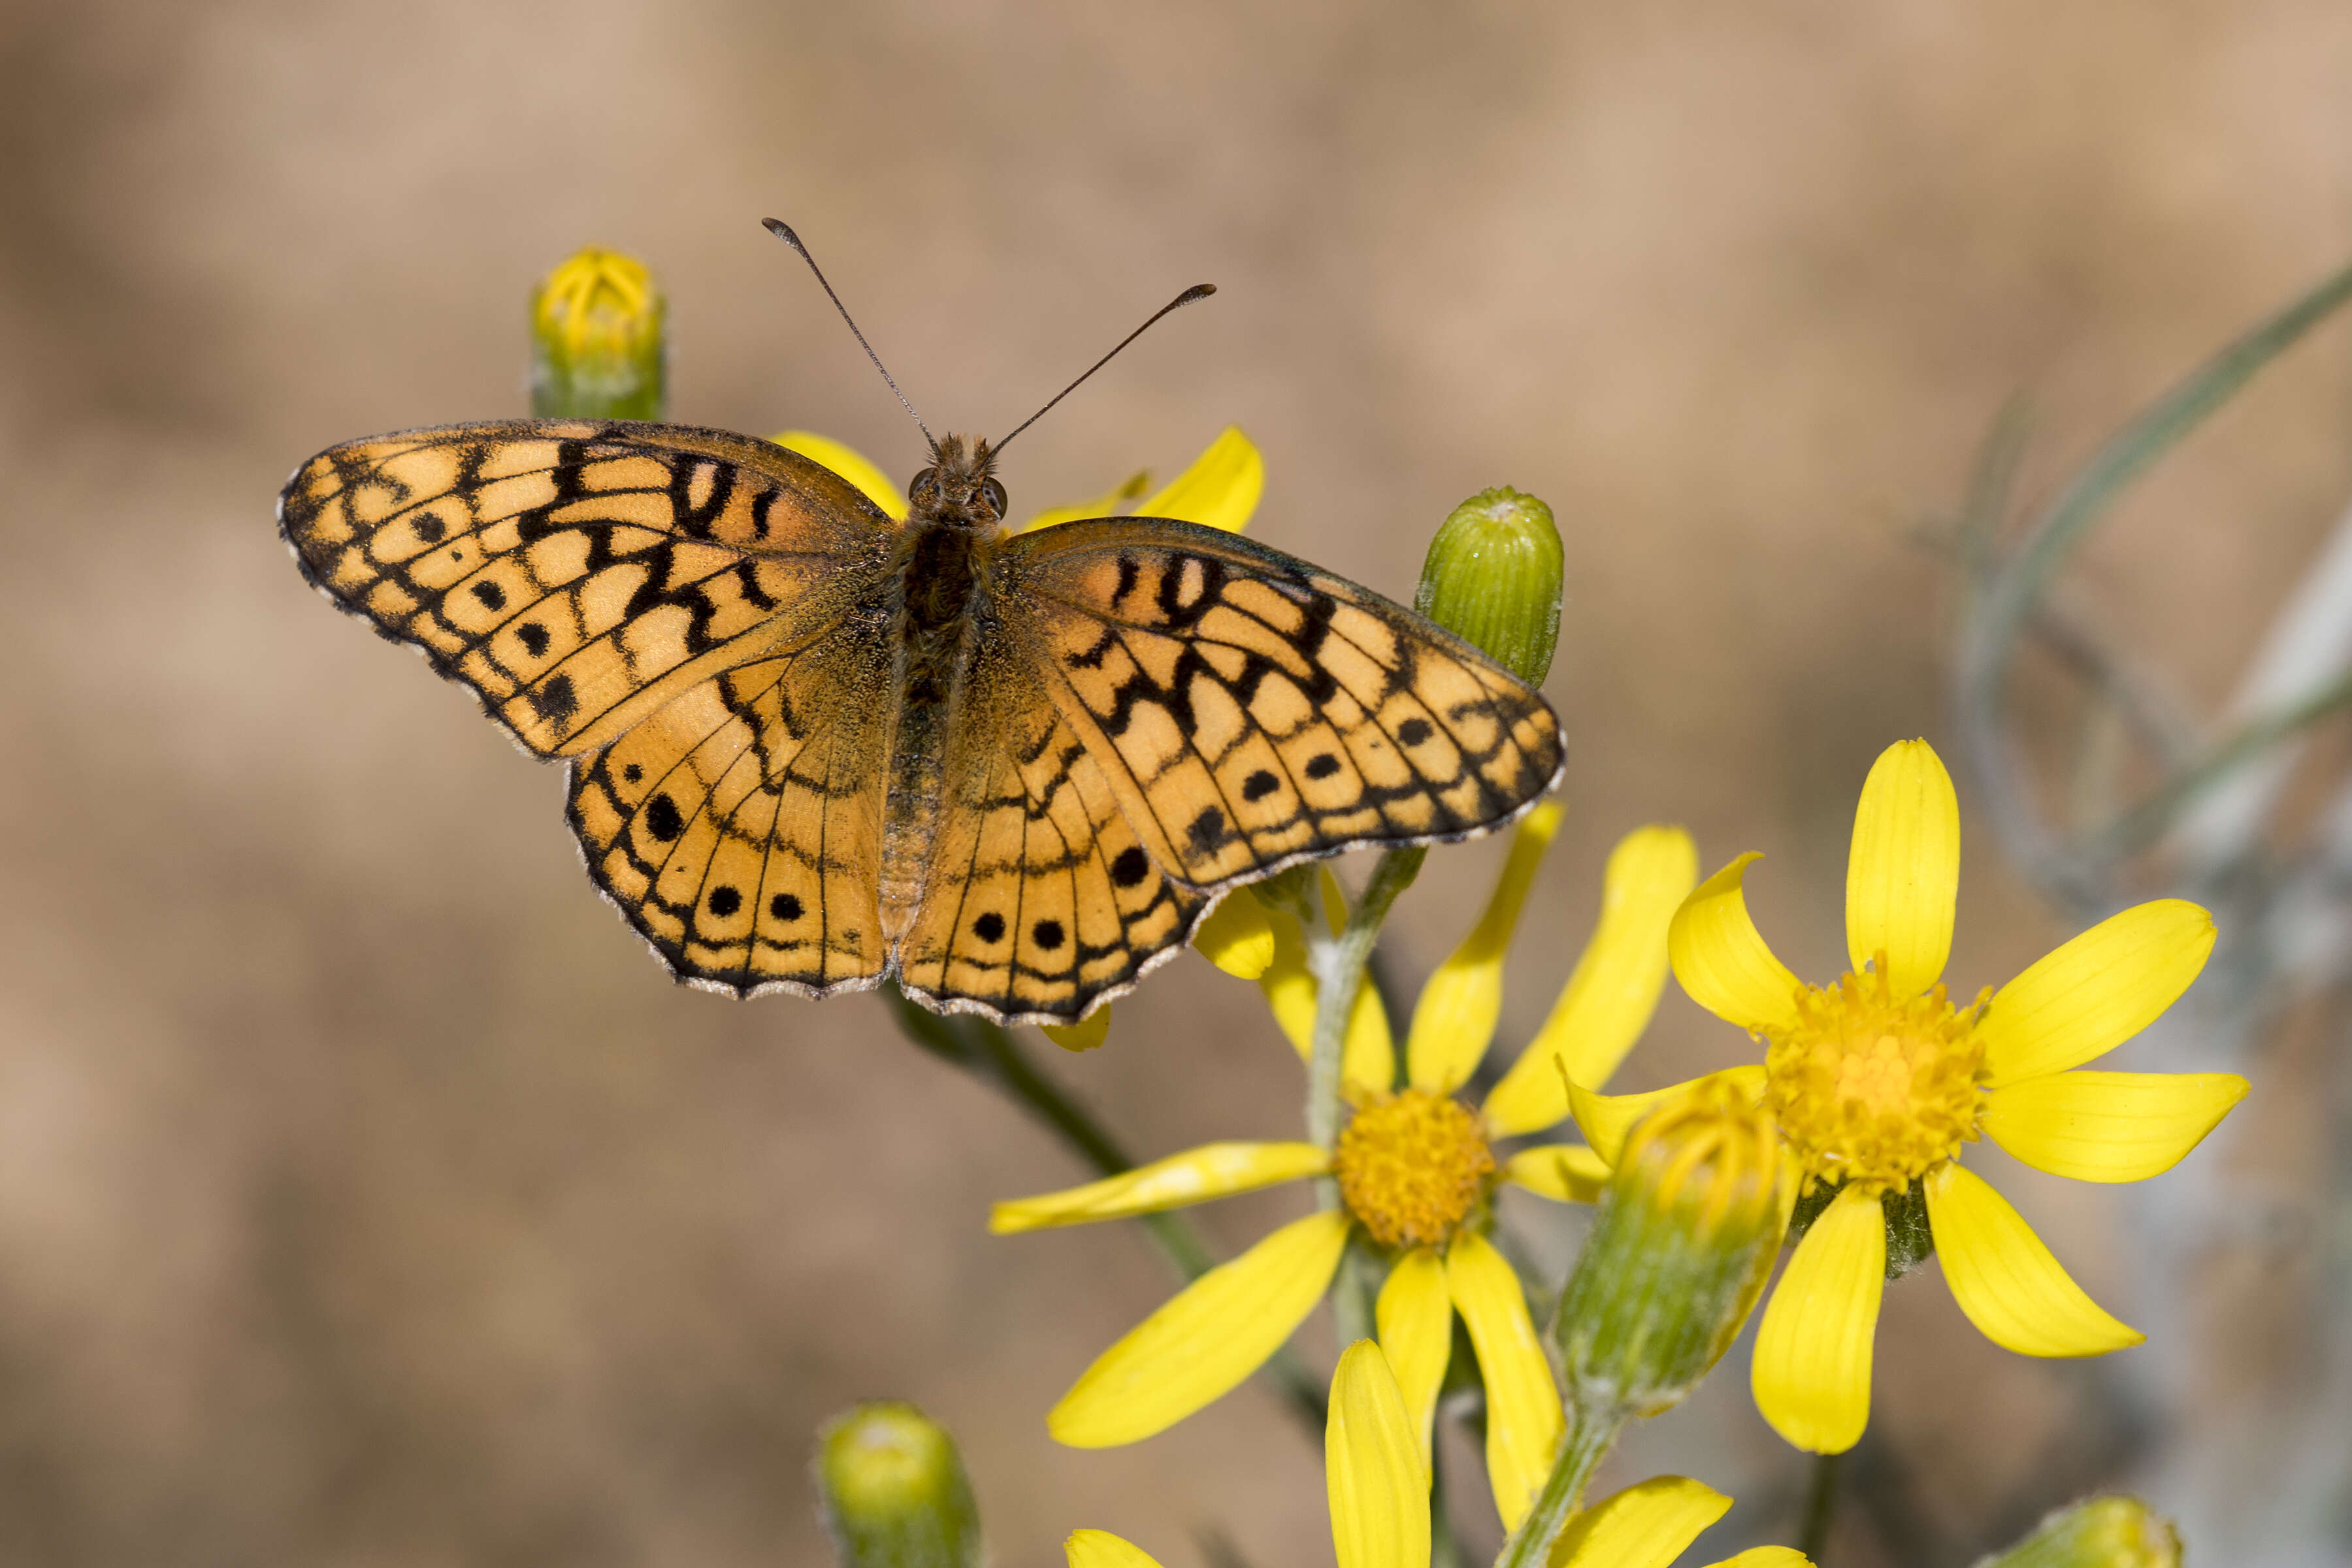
point(1871, 1091)
point(1411, 1167)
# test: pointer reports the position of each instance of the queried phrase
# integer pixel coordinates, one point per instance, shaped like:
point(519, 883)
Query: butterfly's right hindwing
point(581, 575)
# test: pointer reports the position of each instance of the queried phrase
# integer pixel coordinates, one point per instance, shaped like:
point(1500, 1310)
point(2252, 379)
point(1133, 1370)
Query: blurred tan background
point(367, 1194)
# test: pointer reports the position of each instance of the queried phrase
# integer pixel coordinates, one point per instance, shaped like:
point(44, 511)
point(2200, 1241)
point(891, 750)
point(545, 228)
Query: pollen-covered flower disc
point(813, 746)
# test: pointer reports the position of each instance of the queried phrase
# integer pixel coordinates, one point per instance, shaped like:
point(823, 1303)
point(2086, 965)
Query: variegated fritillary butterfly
point(811, 748)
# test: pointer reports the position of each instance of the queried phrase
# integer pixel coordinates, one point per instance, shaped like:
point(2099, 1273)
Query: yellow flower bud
point(893, 1491)
point(2104, 1532)
point(596, 342)
point(1687, 1231)
point(1494, 576)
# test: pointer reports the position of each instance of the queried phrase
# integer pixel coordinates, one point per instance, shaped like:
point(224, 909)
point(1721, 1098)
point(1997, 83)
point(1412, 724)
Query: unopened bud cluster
point(893, 1491)
point(2104, 1532)
point(1492, 576)
point(597, 350)
point(1686, 1233)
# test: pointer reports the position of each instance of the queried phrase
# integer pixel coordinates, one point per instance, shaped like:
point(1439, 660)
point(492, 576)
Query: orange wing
point(694, 617)
point(1250, 710)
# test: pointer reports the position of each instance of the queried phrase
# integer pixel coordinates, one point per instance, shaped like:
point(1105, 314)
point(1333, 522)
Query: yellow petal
point(1606, 1119)
point(1721, 959)
point(1111, 503)
point(1415, 1316)
point(1197, 1348)
point(2109, 1126)
point(1812, 1374)
point(851, 464)
point(1220, 490)
point(1569, 1172)
point(1083, 1035)
point(1101, 1549)
point(1766, 1557)
point(1644, 1526)
point(1237, 937)
point(1373, 1474)
point(1903, 876)
point(1454, 1019)
point(1210, 1171)
point(2096, 992)
point(1614, 988)
point(1523, 1409)
point(2005, 1279)
point(1368, 1057)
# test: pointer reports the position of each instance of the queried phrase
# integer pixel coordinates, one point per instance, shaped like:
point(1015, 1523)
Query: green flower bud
point(1686, 1237)
point(893, 1490)
point(1494, 576)
point(2104, 1532)
point(596, 344)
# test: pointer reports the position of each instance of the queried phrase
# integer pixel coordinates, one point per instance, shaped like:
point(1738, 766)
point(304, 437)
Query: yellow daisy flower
point(1876, 1081)
point(1414, 1170)
point(1379, 1494)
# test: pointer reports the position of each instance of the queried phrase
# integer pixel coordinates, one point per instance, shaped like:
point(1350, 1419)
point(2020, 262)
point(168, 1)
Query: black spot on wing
point(554, 700)
point(662, 819)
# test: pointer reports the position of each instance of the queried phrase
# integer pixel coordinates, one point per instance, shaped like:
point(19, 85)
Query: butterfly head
point(960, 486)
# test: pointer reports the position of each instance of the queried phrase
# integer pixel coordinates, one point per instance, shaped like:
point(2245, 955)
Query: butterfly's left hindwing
point(739, 827)
point(1250, 710)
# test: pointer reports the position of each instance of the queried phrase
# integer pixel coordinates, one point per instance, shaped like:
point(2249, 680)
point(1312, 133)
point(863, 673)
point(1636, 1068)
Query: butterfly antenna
point(1197, 291)
point(783, 231)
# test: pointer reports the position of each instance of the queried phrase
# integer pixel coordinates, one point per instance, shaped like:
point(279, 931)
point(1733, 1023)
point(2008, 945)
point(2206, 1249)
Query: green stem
point(2122, 458)
point(1586, 1443)
point(1445, 1547)
point(1820, 1505)
point(994, 1056)
point(2148, 821)
point(1337, 963)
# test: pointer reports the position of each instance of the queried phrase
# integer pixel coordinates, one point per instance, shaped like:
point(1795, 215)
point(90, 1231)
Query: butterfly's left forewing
point(580, 575)
point(1250, 710)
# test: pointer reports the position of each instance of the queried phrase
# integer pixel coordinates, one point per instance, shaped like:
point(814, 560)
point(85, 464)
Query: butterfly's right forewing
point(1251, 711)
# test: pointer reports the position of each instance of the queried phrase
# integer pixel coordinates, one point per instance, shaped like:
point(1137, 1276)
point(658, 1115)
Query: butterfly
point(810, 748)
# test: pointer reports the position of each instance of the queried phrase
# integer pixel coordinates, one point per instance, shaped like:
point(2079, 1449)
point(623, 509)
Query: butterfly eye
point(919, 480)
point(994, 494)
